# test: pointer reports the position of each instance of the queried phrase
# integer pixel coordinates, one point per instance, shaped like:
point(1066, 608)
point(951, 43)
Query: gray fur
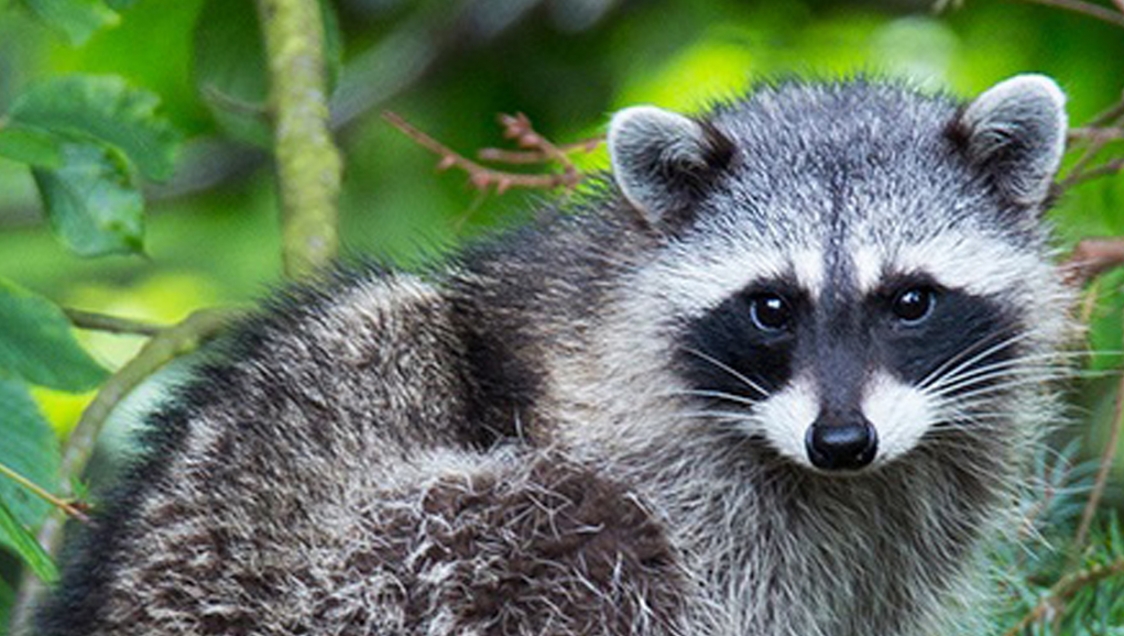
point(1018, 127)
point(512, 446)
point(653, 151)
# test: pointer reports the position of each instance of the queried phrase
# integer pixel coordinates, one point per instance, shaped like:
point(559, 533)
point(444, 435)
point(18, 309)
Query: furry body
point(604, 424)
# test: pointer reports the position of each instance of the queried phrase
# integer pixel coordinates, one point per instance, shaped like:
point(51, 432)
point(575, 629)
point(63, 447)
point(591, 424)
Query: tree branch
point(308, 164)
point(1103, 473)
point(535, 156)
point(35, 489)
point(165, 346)
point(1107, 133)
point(1064, 589)
point(1091, 258)
point(113, 324)
point(480, 176)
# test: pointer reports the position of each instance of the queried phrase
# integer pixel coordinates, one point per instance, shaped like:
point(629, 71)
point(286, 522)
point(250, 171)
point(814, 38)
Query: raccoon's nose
point(841, 445)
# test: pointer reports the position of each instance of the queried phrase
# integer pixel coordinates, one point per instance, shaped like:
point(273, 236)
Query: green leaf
point(36, 344)
point(30, 449)
point(31, 146)
point(91, 202)
point(107, 109)
point(230, 67)
point(24, 544)
point(77, 19)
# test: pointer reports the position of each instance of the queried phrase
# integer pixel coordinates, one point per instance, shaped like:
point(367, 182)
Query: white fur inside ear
point(643, 141)
point(1026, 115)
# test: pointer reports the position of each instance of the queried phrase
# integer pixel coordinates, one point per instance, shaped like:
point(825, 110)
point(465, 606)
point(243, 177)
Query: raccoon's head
point(848, 270)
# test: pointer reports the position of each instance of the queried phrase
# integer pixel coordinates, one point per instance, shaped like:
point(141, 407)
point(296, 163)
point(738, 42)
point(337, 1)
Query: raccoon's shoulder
point(351, 370)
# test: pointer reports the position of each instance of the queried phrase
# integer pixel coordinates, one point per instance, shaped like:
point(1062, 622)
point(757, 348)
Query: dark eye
point(770, 312)
point(914, 304)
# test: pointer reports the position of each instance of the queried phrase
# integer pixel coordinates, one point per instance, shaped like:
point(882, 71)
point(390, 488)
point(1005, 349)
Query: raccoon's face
point(844, 294)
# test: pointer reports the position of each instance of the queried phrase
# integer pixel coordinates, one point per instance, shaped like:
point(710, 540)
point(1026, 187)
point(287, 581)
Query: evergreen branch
point(308, 163)
point(113, 324)
point(162, 348)
point(1103, 473)
point(1064, 589)
point(35, 489)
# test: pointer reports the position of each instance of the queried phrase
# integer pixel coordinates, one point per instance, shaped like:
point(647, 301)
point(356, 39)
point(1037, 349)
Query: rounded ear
point(663, 160)
point(1015, 132)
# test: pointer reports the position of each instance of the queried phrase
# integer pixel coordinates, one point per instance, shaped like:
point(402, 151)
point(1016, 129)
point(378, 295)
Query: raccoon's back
point(336, 474)
point(255, 468)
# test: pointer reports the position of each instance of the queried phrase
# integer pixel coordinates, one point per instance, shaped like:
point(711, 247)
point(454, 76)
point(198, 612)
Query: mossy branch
point(308, 163)
point(112, 324)
point(163, 347)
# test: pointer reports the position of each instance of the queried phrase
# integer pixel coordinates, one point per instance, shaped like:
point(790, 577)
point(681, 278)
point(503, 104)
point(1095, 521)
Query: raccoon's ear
point(663, 160)
point(1015, 132)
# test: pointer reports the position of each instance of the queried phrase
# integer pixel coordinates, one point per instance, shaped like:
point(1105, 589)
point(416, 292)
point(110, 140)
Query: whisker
point(1057, 359)
point(718, 395)
point(1003, 386)
point(728, 369)
point(988, 373)
point(969, 356)
point(714, 414)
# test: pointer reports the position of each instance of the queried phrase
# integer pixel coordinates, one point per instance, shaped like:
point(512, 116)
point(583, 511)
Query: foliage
point(83, 137)
point(102, 94)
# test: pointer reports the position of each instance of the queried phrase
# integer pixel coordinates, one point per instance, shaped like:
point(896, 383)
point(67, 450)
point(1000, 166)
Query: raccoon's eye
point(770, 312)
point(914, 304)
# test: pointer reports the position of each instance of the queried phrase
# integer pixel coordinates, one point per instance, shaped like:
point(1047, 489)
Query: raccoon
point(777, 375)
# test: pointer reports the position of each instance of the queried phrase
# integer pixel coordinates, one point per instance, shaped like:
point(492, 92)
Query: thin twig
point(519, 128)
point(1089, 302)
point(113, 324)
point(1086, 8)
point(1100, 130)
point(34, 488)
point(1091, 258)
point(1103, 170)
point(1077, 172)
point(1064, 589)
point(165, 346)
point(1108, 115)
point(1103, 472)
point(480, 176)
point(536, 156)
point(1106, 133)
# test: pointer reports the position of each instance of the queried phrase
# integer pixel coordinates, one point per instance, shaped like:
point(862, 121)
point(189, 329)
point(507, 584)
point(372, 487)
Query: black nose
point(848, 445)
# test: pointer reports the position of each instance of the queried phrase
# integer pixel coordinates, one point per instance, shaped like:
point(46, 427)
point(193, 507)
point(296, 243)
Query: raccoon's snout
point(836, 443)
